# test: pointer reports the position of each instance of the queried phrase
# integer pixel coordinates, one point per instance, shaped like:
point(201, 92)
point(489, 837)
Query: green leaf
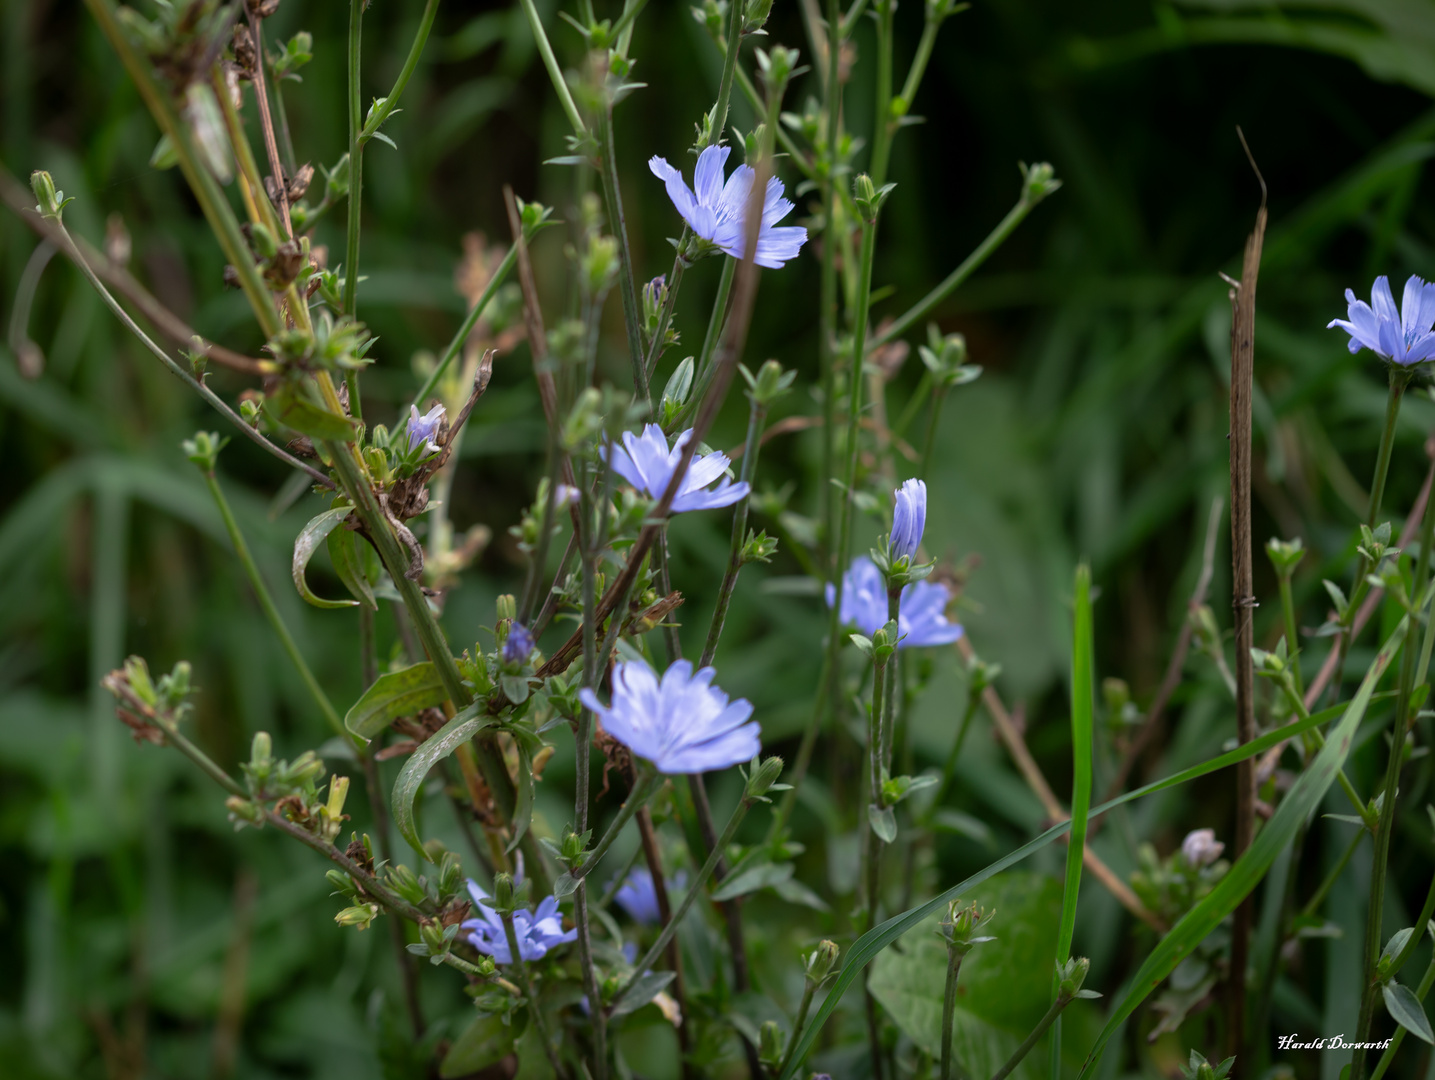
point(1082, 671)
point(871, 944)
point(348, 559)
point(486, 1041)
point(794, 892)
point(308, 541)
point(395, 694)
point(1302, 800)
point(1406, 1010)
point(449, 738)
point(523, 807)
point(883, 822)
point(643, 991)
point(752, 878)
point(293, 411)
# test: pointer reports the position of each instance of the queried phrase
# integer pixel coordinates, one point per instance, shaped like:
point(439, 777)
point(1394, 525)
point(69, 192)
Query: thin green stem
point(276, 621)
point(1292, 642)
point(939, 398)
point(411, 62)
point(756, 418)
point(804, 756)
point(802, 1009)
point(627, 286)
point(883, 123)
point(919, 61)
point(974, 700)
point(1037, 1032)
point(638, 795)
point(356, 160)
point(670, 301)
point(949, 1009)
point(1297, 704)
point(729, 64)
point(1426, 981)
point(534, 1011)
point(656, 950)
point(704, 371)
point(968, 266)
point(1313, 904)
point(555, 73)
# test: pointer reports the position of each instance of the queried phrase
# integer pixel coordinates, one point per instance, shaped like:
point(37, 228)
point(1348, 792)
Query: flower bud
point(775, 68)
point(1038, 181)
point(600, 265)
point(533, 215)
point(50, 204)
point(434, 937)
point(1201, 848)
point(758, 547)
point(203, 450)
point(137, 675)
point(506, 606)
point(909, 519)
point(502, 892)
point(242, 810)
point(1285, 555)
point(763, 777)
point(818, 963)
point(360, 917)
point(754, 16)
point(1072, 974)
point(519, 645)
point(655, 294)
point(450, 874)
point(677, 390)
point(769, 384)
point(342, 882)
point(769, 1043)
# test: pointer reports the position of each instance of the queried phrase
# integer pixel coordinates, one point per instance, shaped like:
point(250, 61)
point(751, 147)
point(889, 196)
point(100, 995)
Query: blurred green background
point(141, 936)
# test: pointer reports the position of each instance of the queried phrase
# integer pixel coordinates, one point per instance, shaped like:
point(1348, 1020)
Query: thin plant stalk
point(949, 1009)
point(1426, 981)
point(1318, 898)
point(555, 73)
point(638, 795)
point(949, 767)
point(271, 612)
point(883, 127)
point(657, 948)
point(455, 346)
point(1031, 1040)
point(802, 1010)
point(1292, 642)
point(756, 418)
point(355, 103)
point(539, 1020)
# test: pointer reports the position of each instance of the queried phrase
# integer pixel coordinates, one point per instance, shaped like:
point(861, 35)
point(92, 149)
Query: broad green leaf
point(395, 694)
point(486, 1041)
point(308, 541)
point(347, 556)
point(449, 738)
point(871, 944)
point(1296, 808)
point(883, 822)
point(305, 417)
point(1406, 1010)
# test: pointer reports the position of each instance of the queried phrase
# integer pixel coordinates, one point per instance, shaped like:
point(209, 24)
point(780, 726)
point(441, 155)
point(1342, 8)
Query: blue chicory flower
point(536, 931)
point(1402, 337)
point(519, 644)
point(715, 210)
point(909, 519)
point(424, 429)
point(646, 462)
point(921, 620)
point(639, 898)
point(681, 723)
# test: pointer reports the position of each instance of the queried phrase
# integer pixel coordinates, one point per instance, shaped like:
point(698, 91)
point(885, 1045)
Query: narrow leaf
point(643, 991)
point(1406, 1010)
point(395, 694)
point(1082, 663)
point(449, 738)
point(305, 417)
point(1303, 799)
point(878, 938)
point(348, 560)
point(307, 542)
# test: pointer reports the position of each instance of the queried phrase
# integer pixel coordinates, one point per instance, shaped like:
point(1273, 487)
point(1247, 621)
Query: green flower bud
point(342, 882)
point(769, 1044)
point(502, 892)
point(758, 547)
point(1072, 974)
point(763, 777)
point(818, 964)
point(203, 450)
point(868, 197)
point(1037, 182)
point(137, 675)
point(242, 810)
point(769, 384)
point(507, 607)
point(406, 883)
point(361, 917)
point(50, 203)
point(1285, 555)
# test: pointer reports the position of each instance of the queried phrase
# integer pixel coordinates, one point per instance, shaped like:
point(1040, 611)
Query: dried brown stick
point(1243, 602)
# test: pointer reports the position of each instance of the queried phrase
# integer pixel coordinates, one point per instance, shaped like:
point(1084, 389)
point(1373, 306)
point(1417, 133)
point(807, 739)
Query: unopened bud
point(819, 962)
point(49, 202)
point(1038, 181)
point(763, 777)
point(769, 1044)
point(502, 892)
point(1072, 974)
point(360, 917)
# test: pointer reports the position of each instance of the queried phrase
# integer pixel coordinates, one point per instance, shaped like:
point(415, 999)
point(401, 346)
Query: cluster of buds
point(150, 710)
point(1170, 887)
point(292, 786)
point(1198, 1068)
point(1069, 977)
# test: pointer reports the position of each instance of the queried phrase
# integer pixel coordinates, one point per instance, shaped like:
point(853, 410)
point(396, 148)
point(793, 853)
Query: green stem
point(804, 756)
point(356, 158)
point(949, 1009)
point(994, 240)
point(555, 73)
point(703, 372)
point(939, 398)
point(1426, 910)
point(411, 62)
point(643, 787)
point(757, 416)
point(1031, 1040)
point(651, 957)
point(539, 1020)
point(883, 124)
point(276, 621)
point(1399, 379)
point(1426, 981)
point(1313, 905)
point(1292, 642)
point(670, 301)
point(731, 50)
point(613, 197)
point(974, 700)
point(802, 1010)
point(919, 61)
point(206, 189)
